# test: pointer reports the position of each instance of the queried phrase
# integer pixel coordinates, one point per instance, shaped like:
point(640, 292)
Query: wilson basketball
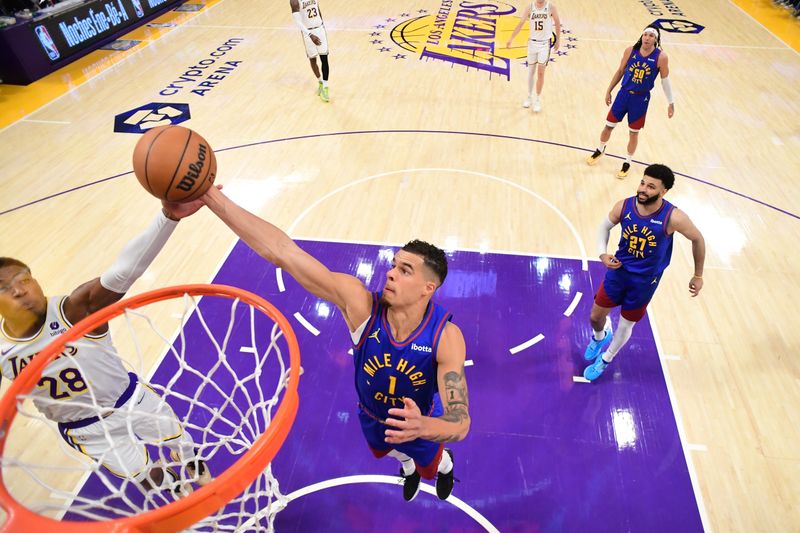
point(174, 163)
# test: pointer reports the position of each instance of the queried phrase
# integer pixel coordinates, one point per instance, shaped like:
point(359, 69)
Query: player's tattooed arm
point(456, 401)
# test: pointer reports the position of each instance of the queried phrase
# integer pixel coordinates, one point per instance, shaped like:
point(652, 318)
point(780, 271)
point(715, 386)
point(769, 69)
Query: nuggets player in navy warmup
point(634, 272)
point(640, 65)
point(406, 349)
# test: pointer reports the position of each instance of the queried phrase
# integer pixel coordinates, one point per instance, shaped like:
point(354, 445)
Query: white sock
point(623, 333)
point(600, 335)
point(628, 159)
point(405, 461)
point(446, 464)
point(324, 83)
point(601, 147)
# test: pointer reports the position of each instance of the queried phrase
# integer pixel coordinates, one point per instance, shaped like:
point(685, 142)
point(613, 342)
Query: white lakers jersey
point(541, 22)
point(88, 371)
point(310, 13)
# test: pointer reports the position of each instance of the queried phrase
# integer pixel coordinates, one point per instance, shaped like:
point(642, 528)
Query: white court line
point(580, 379)
point(697, 447)
point(389, 480)
point(279, 279)
point(562, 216)
point(306, 324)
point(526, 344)
point(469, 362)
point(460, 248)
point(574, 304)
point(672, 357)
point(44, 121)
point(698, 495)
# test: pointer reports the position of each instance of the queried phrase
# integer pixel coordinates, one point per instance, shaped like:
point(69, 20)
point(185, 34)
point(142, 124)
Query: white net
point(200, 400)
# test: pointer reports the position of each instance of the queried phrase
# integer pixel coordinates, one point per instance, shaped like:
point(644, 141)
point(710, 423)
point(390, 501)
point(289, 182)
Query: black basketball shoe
point(410, 485)
point(444, 482)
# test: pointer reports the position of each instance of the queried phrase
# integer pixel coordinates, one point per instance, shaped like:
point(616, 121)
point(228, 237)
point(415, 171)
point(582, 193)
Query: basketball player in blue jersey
point(634, 272)
point(640, 65)
point(29, 321)
point(406, 349)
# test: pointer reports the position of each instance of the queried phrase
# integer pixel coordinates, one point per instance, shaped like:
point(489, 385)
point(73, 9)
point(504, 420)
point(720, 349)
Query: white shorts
point(144, 418)
point(538, 52)
point(312, 50)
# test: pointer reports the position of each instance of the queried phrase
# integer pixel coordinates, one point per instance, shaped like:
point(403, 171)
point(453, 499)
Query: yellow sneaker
point(319, 89)
point(597, 154)
point(324, 95)
point(624, 170)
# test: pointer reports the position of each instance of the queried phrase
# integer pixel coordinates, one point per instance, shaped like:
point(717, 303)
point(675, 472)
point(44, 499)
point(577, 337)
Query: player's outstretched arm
point(680, 222)
point(347, 292)
point(131, 263)
point(526, 14)
point(407, 424)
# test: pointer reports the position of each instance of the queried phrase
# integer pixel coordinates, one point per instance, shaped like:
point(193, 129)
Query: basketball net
point(217, 385)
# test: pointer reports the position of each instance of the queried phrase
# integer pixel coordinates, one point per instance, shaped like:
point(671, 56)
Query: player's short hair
point(661, 172)
point(10, 261)
point(434, 258)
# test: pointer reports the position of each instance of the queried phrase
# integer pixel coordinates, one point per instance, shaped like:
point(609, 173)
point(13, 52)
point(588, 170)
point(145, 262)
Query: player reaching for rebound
point(640, 65)
point(89, 373)
point(543, 17)
point(634, 272)
point(406, 349)
point(308, 18)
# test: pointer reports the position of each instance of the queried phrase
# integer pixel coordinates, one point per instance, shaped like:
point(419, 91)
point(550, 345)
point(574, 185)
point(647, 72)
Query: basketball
point(174, 163)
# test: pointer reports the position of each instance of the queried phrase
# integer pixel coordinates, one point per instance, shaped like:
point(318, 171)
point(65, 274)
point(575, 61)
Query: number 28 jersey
point(87, 371)
point(387, 370)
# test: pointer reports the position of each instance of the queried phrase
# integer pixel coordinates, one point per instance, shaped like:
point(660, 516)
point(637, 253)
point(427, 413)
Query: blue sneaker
point(596, 369)
point(595, 346)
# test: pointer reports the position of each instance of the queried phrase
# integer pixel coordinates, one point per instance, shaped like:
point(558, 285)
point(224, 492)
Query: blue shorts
point(631, 291)
point(632, 104)
point(422, 451)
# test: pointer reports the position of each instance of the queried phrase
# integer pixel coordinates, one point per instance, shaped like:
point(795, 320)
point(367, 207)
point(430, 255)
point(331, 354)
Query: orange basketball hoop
point(184, 512)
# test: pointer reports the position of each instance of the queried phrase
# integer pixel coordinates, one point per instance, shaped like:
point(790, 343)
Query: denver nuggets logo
point(470, 34)
point(678, 26)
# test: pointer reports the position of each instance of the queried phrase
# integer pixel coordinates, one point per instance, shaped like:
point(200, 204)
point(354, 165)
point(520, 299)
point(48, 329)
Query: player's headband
point(651, 30)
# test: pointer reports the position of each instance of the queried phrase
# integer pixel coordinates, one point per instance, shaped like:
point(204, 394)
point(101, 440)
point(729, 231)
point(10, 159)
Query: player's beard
point(384, 302)
point(650, 199)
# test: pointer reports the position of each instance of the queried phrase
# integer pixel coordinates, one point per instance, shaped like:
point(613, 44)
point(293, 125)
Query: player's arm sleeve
point(667, 86)
point(603, 232)
point(298, 21)
point(137, 255)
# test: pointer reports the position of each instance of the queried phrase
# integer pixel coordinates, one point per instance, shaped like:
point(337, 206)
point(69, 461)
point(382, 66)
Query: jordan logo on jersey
point(374, 335)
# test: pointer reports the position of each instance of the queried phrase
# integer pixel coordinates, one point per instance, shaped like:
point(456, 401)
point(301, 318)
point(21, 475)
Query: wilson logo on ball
point(188, 180)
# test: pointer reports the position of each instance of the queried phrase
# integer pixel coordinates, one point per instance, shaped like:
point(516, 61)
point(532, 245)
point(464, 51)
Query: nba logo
point(47, 43)
point(138, 7)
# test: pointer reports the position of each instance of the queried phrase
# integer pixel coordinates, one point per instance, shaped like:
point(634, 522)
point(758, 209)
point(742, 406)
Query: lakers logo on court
point(468, 34)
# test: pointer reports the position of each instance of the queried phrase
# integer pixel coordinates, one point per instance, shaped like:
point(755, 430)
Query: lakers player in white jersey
point(543, 18)
point(308, 17)
point(87, 390)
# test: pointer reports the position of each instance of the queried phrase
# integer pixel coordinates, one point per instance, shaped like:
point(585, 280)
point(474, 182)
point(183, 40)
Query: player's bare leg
point(537, 105)
point(605, 135)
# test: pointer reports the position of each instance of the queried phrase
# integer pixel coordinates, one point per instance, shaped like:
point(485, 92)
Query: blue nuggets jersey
point(387, 370)
point(644, 246)
point(641, 72)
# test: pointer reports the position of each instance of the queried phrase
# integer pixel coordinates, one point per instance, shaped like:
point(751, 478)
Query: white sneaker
point(527, 103)
point(537, 106)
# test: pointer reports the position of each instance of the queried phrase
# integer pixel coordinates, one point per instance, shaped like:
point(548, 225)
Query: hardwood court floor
point(730, 353)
